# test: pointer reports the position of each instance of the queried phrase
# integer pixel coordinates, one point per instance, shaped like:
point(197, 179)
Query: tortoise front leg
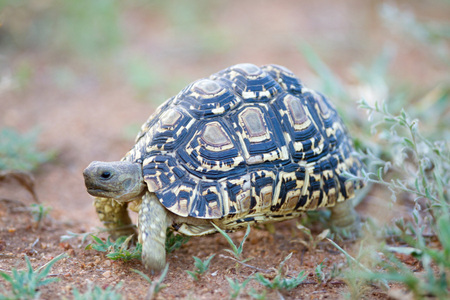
point(153, 222)
point(345, 220)
point(114, 217)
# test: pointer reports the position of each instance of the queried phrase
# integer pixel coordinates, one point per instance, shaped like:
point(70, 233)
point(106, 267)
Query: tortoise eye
point(106, 175)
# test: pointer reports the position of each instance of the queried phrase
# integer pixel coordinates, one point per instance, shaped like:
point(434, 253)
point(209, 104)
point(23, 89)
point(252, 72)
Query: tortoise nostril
point(106, 175)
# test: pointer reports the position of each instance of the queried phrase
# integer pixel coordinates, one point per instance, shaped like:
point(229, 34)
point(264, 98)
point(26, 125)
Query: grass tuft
point(155, 285)
point(404, 142)
point(282, 282)
point(175, 241)
point(39, 212)
point(20, 152)
point(236, 287)
point(117, 250)
point(312, 241)
point(24, 284)
point(97, 293)
point(200, 267)
point(236, 251)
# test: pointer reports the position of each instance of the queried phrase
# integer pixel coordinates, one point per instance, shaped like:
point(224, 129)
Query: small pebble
point(71, 252)
point(107, 274)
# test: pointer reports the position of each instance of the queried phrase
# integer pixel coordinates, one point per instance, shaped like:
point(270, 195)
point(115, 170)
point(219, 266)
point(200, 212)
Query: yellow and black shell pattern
point(246, 144)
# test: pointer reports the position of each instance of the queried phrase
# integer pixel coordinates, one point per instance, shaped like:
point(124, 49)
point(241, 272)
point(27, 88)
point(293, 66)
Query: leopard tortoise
point(247, 145)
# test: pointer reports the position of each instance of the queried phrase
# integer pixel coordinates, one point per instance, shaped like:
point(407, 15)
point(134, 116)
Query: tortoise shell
point(248, 144)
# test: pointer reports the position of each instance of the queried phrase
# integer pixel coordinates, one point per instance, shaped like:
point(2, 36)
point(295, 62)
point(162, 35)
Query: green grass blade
point(6, 276)
point(332, 84)
point(143, 275)
point(208, 262)
point(46, 268)
point(163, 276)
point(241, 246)
point(229, 240)
point(192, 274)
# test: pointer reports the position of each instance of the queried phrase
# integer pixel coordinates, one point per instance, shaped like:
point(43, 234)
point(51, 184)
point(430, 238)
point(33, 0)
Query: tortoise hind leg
point(153, 220)
point(344, 220)
point(114, 217)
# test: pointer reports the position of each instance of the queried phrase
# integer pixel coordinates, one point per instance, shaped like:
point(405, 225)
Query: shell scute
point(208, 204)
point(161, 171)
point(212, 157)
point(284, 77)
point(180, 197)
point(303, 137)
point(167, 132)
point(207, 98)
point(257, 135)
point(250, 82)
point(214, 137)
point(263, 183)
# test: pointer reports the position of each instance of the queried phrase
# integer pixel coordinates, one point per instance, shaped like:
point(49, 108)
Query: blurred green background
point(79, 77)
point(157, 47)
point(118, 60)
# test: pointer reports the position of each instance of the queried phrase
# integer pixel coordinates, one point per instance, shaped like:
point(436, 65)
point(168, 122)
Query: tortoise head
point(119, 180)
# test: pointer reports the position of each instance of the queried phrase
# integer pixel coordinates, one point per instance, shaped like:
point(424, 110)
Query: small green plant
point(421, 169)
point(413, 164)
point(258, 296)
point(312, 241)
point(358, 285)
point(350, 258)
point(19, 151)
point(39, 212)
point(431, 282)
point(281, 282)
point(324, 276)
point(117, 250)
point(155, 285)
point(70, 235)
point(320, 274)
point(236, 287)
point(175, 241)
point(100, 245)
point(235, 250)
point(25, 283)
point(201, 267)
point(97, 293)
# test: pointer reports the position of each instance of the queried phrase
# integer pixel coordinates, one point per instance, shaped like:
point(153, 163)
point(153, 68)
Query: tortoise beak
point(96, 175)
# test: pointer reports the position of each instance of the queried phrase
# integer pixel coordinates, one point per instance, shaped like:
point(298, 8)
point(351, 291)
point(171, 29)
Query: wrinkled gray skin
point(119, 180)
point(123, 182)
